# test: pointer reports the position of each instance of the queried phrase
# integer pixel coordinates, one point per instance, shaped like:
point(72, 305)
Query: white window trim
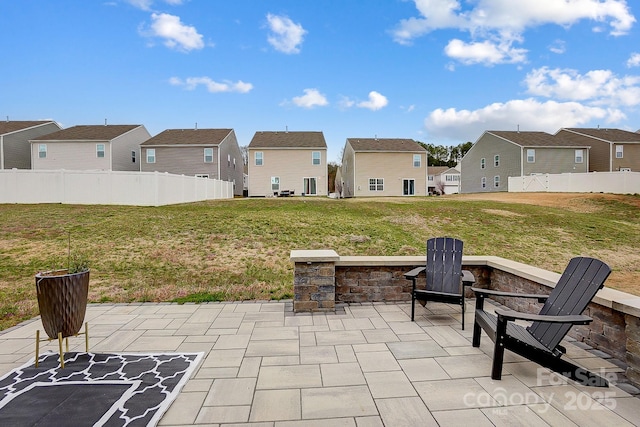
point(496, 181)
point(580, 158)
point(275, 180)
point(42, 148)
point(313, 158)
point(377, 182)
point(619, 151)
point(205, 154)
point(531, 158)
point(414, 186)
point(151, 155)
point(104, 151)
point(483, 182)
point(496, 161)
point(483, 163)
point(258, 155)
point(418, 163)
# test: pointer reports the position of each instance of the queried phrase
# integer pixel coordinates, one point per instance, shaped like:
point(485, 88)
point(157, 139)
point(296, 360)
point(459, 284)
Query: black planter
point(62, 300)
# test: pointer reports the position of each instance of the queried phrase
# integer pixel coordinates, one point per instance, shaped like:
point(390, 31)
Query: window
point(430, 178)
point(208, 155)
point(42, 151)
point(496, 160)
point(202, 175)
point(376, 184)
point(531, 155)
point(310, 186)
point(315, 158)
point(100, 150)
point(133, 156)
point(452, 178)
point(496, 181)
point(228, 160)
point(275, 183)
point(579, 155)
point(620, 151)
point(151, 155)
point(234, 162)
point(483, 163)
point(258, 158)
point(417, 160)
point(483, 182)
point(408, 187)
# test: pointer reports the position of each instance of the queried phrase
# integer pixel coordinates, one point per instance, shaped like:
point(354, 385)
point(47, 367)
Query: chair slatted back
point(444, 265)
point(577, 286)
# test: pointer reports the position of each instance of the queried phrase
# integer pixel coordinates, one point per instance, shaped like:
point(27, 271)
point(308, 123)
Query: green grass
point(239, 249)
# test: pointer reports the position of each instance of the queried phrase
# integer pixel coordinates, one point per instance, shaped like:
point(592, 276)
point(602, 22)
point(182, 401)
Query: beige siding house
point(498, 155)
point(90, 147)
point(285, 162)
point(208, 153)
point(611, 149)
point(15, 150)
point(373, 167)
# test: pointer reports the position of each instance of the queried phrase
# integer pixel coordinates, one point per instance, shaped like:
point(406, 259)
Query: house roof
point(535, 139)
point(189, 137)
point(438, 170)
point(16, 125)
point(88, 133)
point(609, 135)
point(385, 144)
point(287, 139)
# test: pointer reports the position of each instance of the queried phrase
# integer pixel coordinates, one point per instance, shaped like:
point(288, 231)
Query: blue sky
point(438, 71)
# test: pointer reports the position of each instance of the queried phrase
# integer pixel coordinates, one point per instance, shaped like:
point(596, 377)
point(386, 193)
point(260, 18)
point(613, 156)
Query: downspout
point(521, 161)
point(1, 152)
point(610, 157)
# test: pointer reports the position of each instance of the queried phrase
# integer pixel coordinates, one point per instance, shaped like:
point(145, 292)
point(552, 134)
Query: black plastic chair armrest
point(575, 319)
point(467, 278)
point(484, 292)
point(414, 273)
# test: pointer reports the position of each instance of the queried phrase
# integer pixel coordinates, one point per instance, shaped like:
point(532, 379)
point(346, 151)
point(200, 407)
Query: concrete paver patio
point(366, 365)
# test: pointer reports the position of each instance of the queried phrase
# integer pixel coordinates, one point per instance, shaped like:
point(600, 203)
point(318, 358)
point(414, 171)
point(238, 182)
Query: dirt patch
point(578, 202)
point(501, 212)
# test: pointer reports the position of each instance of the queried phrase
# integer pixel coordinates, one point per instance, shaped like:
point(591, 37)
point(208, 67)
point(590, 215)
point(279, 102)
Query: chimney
point(196, 126)
point(105, 122)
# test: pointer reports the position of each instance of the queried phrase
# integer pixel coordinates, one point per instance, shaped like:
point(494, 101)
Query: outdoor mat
point(94, 389)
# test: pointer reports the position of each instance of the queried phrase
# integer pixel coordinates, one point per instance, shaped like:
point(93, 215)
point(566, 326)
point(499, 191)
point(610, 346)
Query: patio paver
point(365, 366)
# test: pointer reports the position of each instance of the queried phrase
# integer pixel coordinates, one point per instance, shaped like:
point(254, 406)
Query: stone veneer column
point(314, 280)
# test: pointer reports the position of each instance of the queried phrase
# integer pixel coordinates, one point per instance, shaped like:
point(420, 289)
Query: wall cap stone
point(321, 255)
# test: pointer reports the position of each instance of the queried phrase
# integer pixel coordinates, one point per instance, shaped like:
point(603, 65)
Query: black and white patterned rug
point(94, 389)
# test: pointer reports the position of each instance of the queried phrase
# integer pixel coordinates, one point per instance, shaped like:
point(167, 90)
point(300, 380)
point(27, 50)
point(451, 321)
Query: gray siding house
point(498, 155)
point(90, 147)
point(288, 161)
point(611, 149)
point(374, 167)
point(15, 150)
point(207, 153)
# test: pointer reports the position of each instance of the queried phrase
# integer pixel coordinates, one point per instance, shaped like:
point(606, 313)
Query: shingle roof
point(535, 139)
point(189, 137)
point(88, 133)
point(438, 170)
point(385, 144)
point(15, 125)
point(610, 135)
point(287, 139)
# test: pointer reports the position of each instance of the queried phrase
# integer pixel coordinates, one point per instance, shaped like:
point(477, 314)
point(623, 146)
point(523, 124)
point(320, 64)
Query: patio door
point(310, 186)
point(408, 187)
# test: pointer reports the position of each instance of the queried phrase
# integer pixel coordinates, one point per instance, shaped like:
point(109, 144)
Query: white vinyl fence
point(593, 182)
point(108, 188)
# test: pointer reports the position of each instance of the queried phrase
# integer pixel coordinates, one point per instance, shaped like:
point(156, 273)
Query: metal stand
point(86, 342)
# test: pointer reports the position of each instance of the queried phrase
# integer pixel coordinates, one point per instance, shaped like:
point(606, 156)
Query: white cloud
point(345, 102)
point(504, 21)
point(285, 36)
point(634, 60)
point(485, 52)
point(176, 35)
point(146, 4)
point(376, 101)
point(548, 116)
point(311, 98)
point(558, 47)
point(598, 87)
point(190, 83)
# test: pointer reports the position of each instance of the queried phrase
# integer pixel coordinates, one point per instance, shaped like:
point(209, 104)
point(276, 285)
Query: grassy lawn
point(239, 249)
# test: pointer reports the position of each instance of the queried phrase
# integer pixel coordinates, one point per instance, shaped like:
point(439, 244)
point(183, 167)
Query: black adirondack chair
point(445, 279)
point(540, 342)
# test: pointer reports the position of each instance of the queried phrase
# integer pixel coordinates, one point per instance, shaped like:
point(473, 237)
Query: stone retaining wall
point(322, 278)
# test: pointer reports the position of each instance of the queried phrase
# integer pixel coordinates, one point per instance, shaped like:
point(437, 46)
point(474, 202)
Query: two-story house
point(207, 153)
point(90, 147)
point(611, 149)
point(15, 150)
point(498, 155)
point(287, 162)
point(443, 180)
point(383, 167)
